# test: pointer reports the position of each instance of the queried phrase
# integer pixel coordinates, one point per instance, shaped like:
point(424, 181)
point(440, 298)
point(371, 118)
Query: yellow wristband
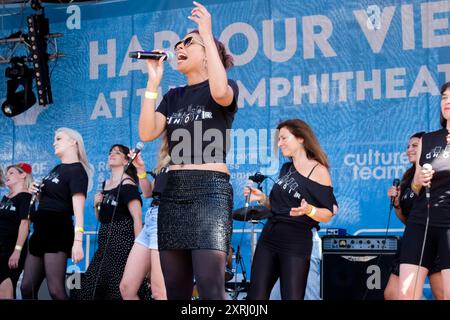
point(79, 229)
point(142, 175)
point(151, 95)
point(18, 248)
point(312, 213)
point(416, 187)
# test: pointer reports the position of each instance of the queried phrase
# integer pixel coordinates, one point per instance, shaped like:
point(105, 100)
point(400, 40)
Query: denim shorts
point(149, 234)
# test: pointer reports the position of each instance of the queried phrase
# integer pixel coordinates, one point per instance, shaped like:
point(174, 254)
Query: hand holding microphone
point(394, 191)
point(252, 194)
point(425, 177)
point(35, 189)
point(135, 152)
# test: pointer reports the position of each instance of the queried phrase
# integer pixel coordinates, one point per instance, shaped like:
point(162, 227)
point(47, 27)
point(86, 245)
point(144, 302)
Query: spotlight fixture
point(35, 5)
point(21, 77)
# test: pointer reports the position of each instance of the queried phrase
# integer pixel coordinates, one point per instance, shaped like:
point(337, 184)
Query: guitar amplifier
point(356, 267)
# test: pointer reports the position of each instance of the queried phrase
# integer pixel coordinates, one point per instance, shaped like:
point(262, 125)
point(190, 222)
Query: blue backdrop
point(365, 75)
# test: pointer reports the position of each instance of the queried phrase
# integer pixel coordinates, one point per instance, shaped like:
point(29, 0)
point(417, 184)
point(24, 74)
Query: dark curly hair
point(225, 57)
point(443, 121)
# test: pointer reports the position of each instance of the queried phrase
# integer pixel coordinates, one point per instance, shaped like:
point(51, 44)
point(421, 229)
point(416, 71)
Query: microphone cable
point(423, 244)
point(239, 261)
point(384, 241)
point(31, 205)
point(97, 277)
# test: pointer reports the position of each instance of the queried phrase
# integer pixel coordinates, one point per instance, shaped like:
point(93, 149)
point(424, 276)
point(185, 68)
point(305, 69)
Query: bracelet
point(312, 213)
point(142, 175)
point(151, 95)
point(79, 229)
point(415, 187)
point(78, 240)
point(18, 247)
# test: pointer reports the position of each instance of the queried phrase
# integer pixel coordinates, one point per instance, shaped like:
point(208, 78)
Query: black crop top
point(197, 127)
point(289, 190)
point(436, 152)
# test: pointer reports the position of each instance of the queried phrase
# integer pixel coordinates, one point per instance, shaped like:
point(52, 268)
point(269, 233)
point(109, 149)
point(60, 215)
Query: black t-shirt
point(289, 190)
point(197, 127)
point(436, 152)
point(407, 198)
point(160, 182)
point(60, 185)
point(12, 211)
point(128, 192)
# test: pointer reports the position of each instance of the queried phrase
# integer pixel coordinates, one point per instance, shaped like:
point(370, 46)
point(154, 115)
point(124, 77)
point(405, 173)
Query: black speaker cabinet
point(356, 267)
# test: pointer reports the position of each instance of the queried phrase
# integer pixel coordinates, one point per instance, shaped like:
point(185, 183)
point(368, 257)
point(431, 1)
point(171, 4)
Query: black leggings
point(51, 266)
point(268, 266)
point(181, 266)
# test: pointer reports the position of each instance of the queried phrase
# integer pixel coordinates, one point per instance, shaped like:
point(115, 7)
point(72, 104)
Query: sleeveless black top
point(289, 190)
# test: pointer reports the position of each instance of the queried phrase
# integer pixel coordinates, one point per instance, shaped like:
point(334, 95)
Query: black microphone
point(34, 194)
point(258, 177)
point(152, 55)
point(427, 167)
point(136, 150)
point(395, 183)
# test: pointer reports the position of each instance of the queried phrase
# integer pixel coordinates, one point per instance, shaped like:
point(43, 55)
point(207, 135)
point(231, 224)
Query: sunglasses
point(187, 42)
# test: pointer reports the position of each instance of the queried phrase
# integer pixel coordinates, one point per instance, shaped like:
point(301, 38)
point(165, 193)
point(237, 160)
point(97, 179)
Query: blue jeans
point(313, 283)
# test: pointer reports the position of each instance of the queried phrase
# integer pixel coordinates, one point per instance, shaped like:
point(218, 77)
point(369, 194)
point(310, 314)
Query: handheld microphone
point(395, 183)
point(152, 55)
point(427, 167)
point(34, 194)
point(247, 198)
point(136, 150)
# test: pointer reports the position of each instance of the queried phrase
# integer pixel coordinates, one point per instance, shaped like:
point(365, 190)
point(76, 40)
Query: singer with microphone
point(300, 199)
point(402, 199)
point(427, 232)
point(194, 219)
point(119, 209)
point(56, 235)
point(14, 225)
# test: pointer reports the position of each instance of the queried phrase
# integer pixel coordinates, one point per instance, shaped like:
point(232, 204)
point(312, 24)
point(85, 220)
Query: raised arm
point(221, 92)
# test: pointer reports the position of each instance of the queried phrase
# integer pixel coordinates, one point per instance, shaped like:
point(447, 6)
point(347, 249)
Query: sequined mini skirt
point(195, 211)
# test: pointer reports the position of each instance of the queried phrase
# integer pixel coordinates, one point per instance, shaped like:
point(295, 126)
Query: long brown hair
point(408, 175)
point(131, 170)
point(300, 129)
point(225, 57)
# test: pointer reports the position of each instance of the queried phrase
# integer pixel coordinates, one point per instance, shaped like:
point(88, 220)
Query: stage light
point(38, 27)
point(19, 94)
point(35, 5)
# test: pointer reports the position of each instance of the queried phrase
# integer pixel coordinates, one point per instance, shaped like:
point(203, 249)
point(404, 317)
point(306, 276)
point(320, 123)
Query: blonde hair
point(81, 151)
point(164, 157)
point(28, 177)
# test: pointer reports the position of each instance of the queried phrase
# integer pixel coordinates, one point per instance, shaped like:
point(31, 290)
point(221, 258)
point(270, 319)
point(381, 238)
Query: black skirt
point(52, 232)
point(195, 211)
